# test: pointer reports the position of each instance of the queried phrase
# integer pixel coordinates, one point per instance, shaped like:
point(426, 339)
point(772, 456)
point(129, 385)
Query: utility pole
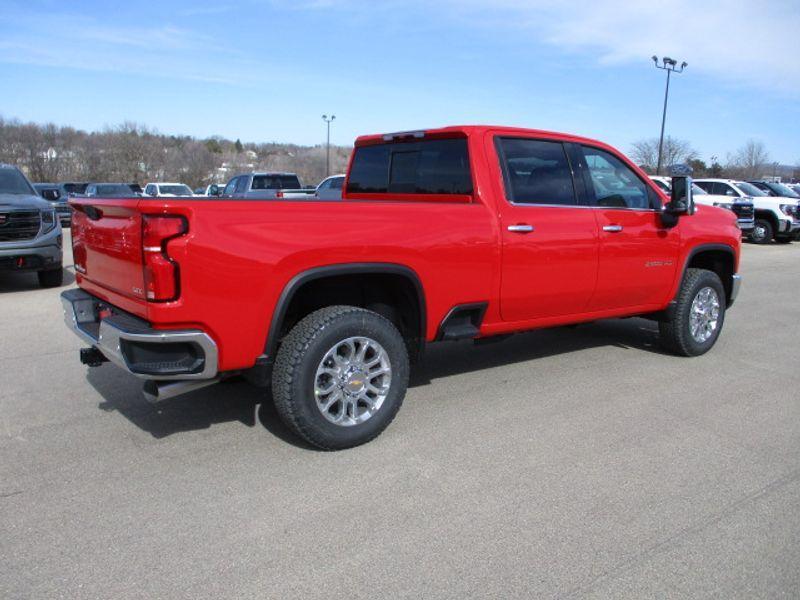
point(328, 120)
point(670, 66)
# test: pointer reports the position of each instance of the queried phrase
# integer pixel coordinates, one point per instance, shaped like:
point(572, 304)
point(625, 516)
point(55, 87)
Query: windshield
point(114, 189)
point(782, 190)
point(14, 182)
point(749, 189)
point(175, 190)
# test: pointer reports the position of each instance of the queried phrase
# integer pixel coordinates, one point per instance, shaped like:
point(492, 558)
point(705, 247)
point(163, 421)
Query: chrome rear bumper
point(133, 345)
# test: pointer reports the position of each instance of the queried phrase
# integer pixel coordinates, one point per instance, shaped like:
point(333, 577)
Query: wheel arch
point(407, 309)
point(719, 258)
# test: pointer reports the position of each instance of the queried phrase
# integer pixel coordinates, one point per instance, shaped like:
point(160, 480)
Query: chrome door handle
point(612, 228)
point(521, 228)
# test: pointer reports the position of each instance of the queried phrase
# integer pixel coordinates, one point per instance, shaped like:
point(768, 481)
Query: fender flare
point(296, 282)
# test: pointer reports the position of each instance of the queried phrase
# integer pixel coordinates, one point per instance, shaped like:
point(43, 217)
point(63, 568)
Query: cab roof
point(468, 131)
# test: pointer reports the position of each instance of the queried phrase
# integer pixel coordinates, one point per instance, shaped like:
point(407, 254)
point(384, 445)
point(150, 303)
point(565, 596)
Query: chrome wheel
point(759, 233)
point(704, 315)
point(352, 381)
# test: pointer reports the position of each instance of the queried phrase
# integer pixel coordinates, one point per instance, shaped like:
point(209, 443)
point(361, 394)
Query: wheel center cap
point(355, 382)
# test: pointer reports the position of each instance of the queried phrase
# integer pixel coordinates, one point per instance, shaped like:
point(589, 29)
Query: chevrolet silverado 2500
point(442, 234)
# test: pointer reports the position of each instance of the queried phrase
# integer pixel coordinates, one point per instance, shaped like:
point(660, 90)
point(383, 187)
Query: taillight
point(160, 271)
point(279, 194)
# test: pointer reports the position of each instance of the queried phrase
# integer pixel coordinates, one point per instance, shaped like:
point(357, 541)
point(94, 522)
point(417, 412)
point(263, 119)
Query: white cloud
point(751, 43)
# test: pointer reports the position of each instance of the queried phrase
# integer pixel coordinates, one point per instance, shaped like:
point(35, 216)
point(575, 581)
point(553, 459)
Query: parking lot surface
point(575, 462)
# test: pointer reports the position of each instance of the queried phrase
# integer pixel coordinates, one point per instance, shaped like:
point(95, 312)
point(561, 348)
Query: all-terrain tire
point(676, 335)
point(762, 233)
point(295, 374)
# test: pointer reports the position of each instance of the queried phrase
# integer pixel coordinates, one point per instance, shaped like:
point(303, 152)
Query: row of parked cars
point(258, 186)
point(766, 210)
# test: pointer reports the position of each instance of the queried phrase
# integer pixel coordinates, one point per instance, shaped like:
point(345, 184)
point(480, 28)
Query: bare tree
point(748, 161)
point(133, 153)
point(645, 152)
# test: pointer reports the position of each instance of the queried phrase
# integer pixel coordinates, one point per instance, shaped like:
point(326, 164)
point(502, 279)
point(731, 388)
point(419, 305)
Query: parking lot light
point(670, 65)
point(328, 120)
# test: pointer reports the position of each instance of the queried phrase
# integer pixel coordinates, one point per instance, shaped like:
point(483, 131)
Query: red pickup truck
point(442, 234)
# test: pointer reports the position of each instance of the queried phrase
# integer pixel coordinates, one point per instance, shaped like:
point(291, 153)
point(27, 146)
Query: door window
point(614, 184)
point(536, 172)
point(241, 185)
point(231, 187)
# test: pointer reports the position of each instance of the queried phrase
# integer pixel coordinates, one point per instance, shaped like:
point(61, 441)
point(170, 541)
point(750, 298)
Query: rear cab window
point(427, 168)
point(275, 182)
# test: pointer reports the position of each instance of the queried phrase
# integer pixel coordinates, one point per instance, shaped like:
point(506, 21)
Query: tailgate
point(107, 244)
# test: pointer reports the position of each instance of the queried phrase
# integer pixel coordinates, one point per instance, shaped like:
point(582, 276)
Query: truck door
point(638, 257)
point(550, 242)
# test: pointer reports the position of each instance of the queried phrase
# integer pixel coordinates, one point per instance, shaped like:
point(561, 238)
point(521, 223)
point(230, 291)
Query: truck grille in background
point(19, 225)
point(743, 211)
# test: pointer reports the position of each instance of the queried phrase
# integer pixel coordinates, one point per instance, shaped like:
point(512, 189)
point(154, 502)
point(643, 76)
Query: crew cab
point(445, 234)
point(741, 207)
point(775, 218)
point(267, 186)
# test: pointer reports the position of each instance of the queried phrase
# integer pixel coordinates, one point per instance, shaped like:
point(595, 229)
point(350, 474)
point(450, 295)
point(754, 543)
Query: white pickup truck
point(742, 207)
point(775, 218)
point(267, 186)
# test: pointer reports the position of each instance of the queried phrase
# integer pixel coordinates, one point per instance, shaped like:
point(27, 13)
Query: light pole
point(328, 120)
point(670, 66)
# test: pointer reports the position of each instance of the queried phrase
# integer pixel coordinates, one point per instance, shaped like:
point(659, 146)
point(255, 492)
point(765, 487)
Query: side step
point(463, 322)
point(158, 391)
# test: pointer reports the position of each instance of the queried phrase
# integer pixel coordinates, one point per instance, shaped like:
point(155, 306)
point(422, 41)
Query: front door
point(638, 257)
point(550, 243)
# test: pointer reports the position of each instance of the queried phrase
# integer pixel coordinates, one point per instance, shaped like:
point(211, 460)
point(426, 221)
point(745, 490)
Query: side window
point(241, 184)
point(336, 183)
point(425, 167)
point(231, 187)
point(728, 190)
point(705, 185)
point(615, 185)
point(536, 172)
point(150, 190)
point(325, 184)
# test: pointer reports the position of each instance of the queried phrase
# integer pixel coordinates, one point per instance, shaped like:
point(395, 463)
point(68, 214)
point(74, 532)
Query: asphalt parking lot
point(564, 463)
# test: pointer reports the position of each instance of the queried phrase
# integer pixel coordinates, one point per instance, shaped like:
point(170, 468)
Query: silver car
point(330, 188)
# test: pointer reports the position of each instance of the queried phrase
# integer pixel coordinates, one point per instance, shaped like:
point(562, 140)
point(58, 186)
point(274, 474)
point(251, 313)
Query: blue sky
point(267, 70)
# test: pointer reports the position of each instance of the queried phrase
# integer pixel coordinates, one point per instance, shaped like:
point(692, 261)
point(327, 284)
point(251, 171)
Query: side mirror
point(681, 201)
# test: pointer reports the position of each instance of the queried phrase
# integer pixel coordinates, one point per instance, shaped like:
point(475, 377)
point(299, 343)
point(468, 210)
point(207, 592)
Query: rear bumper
point(130, 342)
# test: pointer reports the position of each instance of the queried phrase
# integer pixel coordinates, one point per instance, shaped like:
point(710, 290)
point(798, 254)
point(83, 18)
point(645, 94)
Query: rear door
point(550, 241)
point(638, 257)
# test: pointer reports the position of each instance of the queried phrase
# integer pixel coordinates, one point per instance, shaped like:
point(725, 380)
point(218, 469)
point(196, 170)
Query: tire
point(762, 233)
point(51, 278)
point(677, 336)
point(305, 369)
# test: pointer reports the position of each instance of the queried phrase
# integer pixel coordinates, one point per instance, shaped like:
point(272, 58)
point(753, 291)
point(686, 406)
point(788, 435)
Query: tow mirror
point(681, 200)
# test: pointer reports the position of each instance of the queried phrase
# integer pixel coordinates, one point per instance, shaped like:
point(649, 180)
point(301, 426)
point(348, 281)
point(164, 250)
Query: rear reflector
point(161, 282)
